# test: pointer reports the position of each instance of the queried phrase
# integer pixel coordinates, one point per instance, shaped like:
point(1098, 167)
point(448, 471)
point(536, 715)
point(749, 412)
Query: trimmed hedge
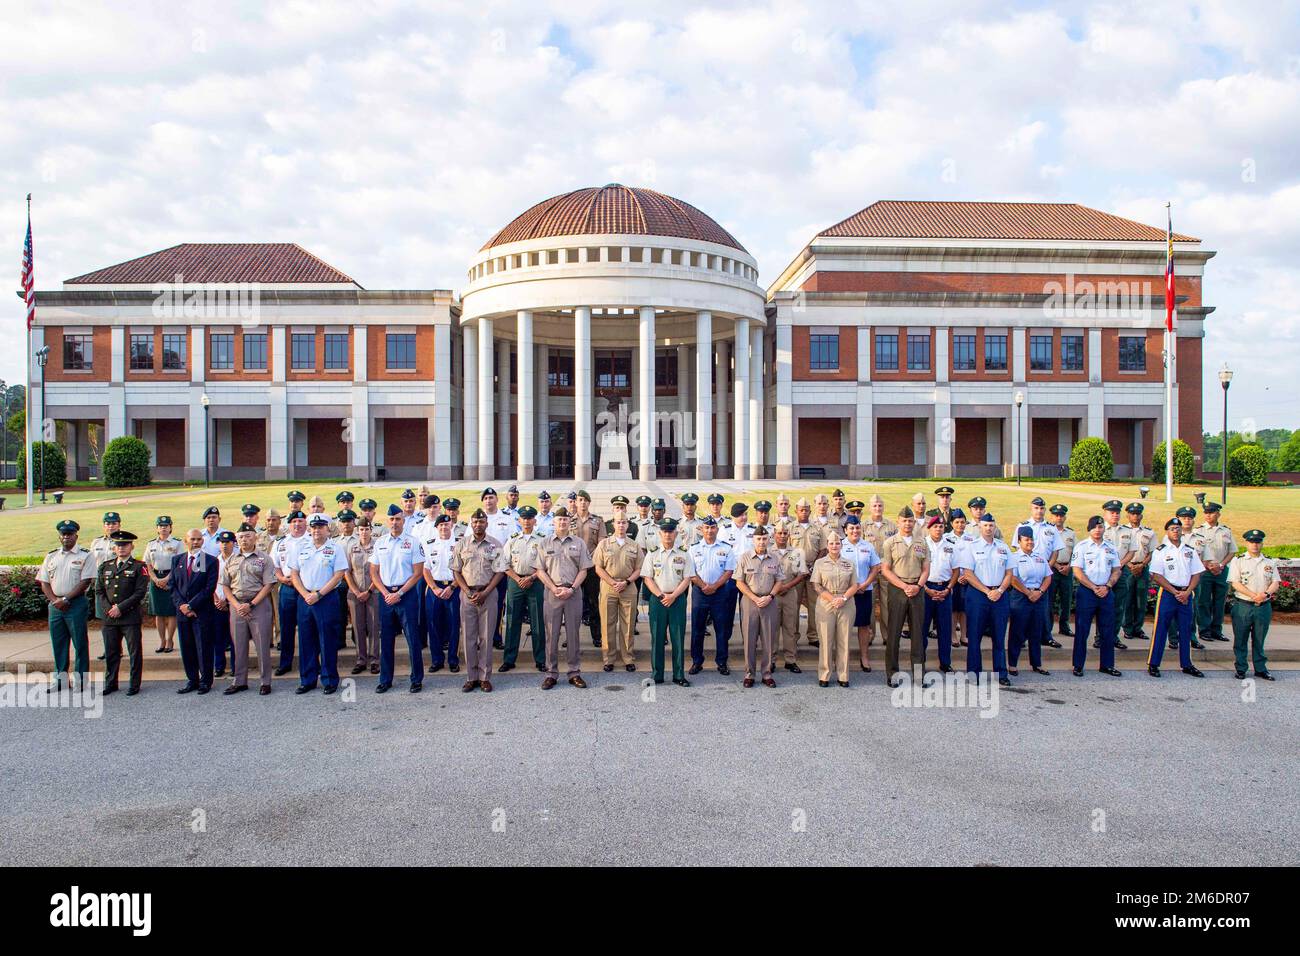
point(1091, 460)
point(1248, 465)
point(21, 598)
point(1184, 463)
point(125, 463)
point(56, 466)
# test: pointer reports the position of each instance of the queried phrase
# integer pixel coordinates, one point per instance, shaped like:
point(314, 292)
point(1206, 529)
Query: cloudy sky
point(393, 139)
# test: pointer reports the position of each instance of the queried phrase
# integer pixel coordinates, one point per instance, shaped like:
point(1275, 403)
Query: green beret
point(584, 495)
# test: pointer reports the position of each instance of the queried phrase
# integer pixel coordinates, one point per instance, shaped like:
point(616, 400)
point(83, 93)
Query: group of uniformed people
point(462, 588)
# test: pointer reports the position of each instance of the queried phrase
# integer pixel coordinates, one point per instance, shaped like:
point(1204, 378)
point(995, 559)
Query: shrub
point(1091, 460)
point(125, 463)
point(1184, 463)
point(56, 465)
point(1248, 465)
point(20, 596)
point(1288, 456)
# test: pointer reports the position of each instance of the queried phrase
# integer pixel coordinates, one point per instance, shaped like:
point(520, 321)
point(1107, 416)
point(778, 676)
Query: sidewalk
point(31, 650)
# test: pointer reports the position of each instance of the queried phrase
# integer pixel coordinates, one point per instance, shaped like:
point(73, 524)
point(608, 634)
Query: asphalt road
point(1093, 771)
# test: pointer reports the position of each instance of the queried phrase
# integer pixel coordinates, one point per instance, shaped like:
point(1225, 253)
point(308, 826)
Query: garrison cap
point(442, 519)
point(394, 510)
point(347, 514)
point(1113, 505)
point(561, 512)
point(1212, 506)
point(272, 513)
point(544, 496)
point(622, 500)
point(317, 520)
point(226, 536)
point(1136, 508)
point(211, 510)
point(690, 498)
point(1038, 502)
point(121, 537)
point(408, 494)
point(715, 499)
point(111, 516)
point(977, 502)
point(658, 505)
point(1254, 536)
point(343, 496)
point(67, 526)
point(528, 511)
point(1025, 531)
point(709, 520)
point(1173, 523)
point(487, 491)
point(1094, 521)
point(762, 506)
point(250, 509)
point(245, 526)
point(451, 503)
point(852, 519)
point(944, 490)
point(955, 514)
point(368, 504)
point(1059, 510)
point(906, 513)
point(1186, 511)
point(668, 524)
point(584, 494)
point(478, 515)
point(738, 509)
point(163, 520)
point(295, 514)
point(296, 496)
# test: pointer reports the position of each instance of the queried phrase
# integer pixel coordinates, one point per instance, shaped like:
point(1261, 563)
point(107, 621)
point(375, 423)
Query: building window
point(666, 370)
point(336, 352)
point(223, 351)
point(887, 352)
point(918, 352)
point(824, 352)
point(1071, 353)
point(995, 353)
point(254, 351)
point(142, 352)
point(400, 350)
point(1132, 353)
point(1040, 353)
point(559, 370)
point(963, 353)
point(304, 351)
point(613, 370)
point(174, 352)
point(78, 353)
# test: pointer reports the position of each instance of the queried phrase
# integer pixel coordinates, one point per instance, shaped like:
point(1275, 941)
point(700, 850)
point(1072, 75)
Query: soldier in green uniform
point(667, 572)
point(120, 587)
point(65, 575)
point(944, 493)
point(1254, 580)
point(1062, 573)
point(524, 592)
point(1216, 547)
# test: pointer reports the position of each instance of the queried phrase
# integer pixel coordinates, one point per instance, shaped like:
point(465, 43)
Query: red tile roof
point(220, 262)
point(613, 210)
point(903, 219)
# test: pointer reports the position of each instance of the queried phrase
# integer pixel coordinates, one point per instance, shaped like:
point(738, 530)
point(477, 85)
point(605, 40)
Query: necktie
point(191, 564)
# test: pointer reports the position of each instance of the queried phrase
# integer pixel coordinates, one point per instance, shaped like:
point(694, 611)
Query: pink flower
point(16, 590)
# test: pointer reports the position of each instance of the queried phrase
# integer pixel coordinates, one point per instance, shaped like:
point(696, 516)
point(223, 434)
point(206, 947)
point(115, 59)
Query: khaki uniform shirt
point(358, 556)
point(619, 561)
point(1068, 538)
point(760, 572)
point(1254, 574)
point(1216, 543)
point(523, 553)
point(688, 530)
point(245, 574)
point(792, 562)
point(158, 553)
point(478, 561)
point(101, 550)
point(668, 568)
point(563, 558)
point(809, 538)
point(64, 570)
point(878, 532)
point(590, 530)
point(1144, 543)
point(266, 541)
point(835, 575)
point(907, 558)
point(1120, 537)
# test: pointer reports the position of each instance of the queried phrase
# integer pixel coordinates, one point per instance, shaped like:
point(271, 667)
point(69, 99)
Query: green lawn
point(24, 534)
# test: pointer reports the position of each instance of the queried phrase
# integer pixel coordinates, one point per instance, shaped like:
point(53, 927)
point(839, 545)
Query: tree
point(1184, 462)
point(125, 463)
point(55, 468)
point(1248, 465)
point(1091, 460)
point(1288, 456)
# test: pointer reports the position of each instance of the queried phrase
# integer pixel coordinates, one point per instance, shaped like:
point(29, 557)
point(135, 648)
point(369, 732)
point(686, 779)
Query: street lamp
point(1225, 379)
point(207, 467)
point(42, 356)
point(1020, 400)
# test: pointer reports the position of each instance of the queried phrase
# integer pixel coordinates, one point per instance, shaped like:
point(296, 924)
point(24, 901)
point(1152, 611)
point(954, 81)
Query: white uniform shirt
point(945, 556)
point(1097, 559)
point(545, 524)
point(1047, 540)
point(1032, 569)
point(396, 558)
point(1176, 563)
point(501, 526)
point(210, 543)
point(285, 548)
point(988, 560)
point(862, 555)
point(437, 557)
point(315, 566)
point(741, 538)
point(712, 560)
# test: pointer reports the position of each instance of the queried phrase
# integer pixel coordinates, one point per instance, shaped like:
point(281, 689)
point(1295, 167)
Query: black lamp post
point(1225, 379)
point(207, 458)
point(1020, 400)
point(42, 356)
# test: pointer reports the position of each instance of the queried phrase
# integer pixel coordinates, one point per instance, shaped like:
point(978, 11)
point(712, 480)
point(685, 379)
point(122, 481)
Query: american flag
point(29, 269)
point(1169, 277)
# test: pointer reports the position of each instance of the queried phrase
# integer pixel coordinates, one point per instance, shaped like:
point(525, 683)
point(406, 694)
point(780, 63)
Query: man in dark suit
point(194, 579)
point(120, 587)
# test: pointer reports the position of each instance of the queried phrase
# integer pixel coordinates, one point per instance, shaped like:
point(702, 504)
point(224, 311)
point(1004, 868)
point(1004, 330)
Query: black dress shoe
point(264, 690)
point(304, 688)
point(793, 668)
point(415, 688)
point(219, 672)
point(1173, 645)
point(683, 682)
point(1121, 646)
point(1052, 643)
point(132, 691)
point(1264, 675)
point(100, 657)
point(434, 668)
point(454, 668)
point(234, 689)
point(1137, 636)
point(1192, 672)
point(188, 688)
point(1013, 671)
point(1153, 671)
point(945, 668)
point(499, 644)
point(1078, 672)
point(1197, 645)
point(1111, 672)
point(892, 681)
point(1004, 681)
point(503, 669)
point(329, 690)
point(823, 683)
point(107, 690)
point(724, 670)
point(1241, 675)
point(281, 671)
point(844, 683)
point(1096, 644)
point(1065, 631)
point(608, 668)
point(629, 668)
point(694, 669)
point(359, 669)
point(382, 688)
point(1045, 673)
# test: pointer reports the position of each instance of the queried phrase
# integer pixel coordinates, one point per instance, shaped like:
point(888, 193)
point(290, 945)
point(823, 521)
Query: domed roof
point(613, 210)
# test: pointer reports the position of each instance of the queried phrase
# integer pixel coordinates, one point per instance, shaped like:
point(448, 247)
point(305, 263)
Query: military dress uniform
point(667, 568)
point(318, 622)
point(364, 614)
point(1121, 538)
point(266, 542)
point(1097, 560)
point(907, 558)
point(877, 532)
point(760, 573)
point(590, 531)
point(988, 562)
point(65, 571)
point(441, 618)
point(282, 551)
point(563, 559)
point(621, 560)
point(101, 550)
point(158, 555)
point(810, 539)
point(243, 576)
point(711, 562)
point(500, 526)
point(1257, 574)
point(523, 557)
point(1135, 609)
point(1061, 599)
point(395, 559)
point(787, 602)
point(1216, 547)
point(1178, 564)
point(124, 583)
point(1034, 572)
point(830, 578)
point(945, 555)
point(478, 561)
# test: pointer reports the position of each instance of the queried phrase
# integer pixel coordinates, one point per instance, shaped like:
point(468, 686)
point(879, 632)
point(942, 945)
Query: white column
point(486, 401)
point(442, 437)
point(756, 401)
point(864, 423)
point(543, 414)
point(502, 407)
point(278, 439)
point(524, 393)
point(582, 398)
point(469, 398)
point(646, 404)
point(784, 398)
point(740, 450)
point(704, 396)
point(722, 454)
point(357, 434)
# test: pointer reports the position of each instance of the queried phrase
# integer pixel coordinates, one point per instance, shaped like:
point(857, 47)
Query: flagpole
point(1169, 384)
point(27, 412)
